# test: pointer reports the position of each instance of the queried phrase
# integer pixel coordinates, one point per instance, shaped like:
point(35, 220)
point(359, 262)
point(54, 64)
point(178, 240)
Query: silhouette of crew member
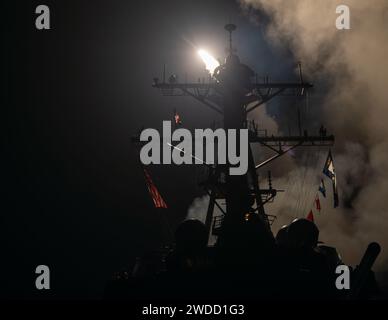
point(309, 273)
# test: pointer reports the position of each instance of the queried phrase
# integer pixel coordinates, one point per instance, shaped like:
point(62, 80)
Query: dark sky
point(74, 197)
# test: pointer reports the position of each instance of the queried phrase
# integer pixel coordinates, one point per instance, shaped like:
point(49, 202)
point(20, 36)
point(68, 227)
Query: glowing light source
point(210, 62)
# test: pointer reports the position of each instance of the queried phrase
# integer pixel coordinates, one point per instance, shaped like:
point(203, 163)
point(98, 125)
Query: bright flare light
point(208, 60)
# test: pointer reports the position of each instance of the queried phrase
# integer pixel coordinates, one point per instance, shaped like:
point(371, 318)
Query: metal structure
point(233, 91)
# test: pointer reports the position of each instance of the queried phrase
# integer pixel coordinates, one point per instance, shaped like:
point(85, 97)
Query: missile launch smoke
point(352, 68)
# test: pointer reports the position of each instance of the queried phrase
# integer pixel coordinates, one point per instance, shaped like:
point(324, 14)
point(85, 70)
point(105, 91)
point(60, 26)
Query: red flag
point(310, 216)
point(155, 195)
point(317, 203)
point(177, 118)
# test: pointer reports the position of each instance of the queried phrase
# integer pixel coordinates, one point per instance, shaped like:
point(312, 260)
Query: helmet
point(282, 236)
point(302, 233)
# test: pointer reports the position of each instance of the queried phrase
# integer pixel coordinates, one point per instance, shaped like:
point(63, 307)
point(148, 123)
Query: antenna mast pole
point(232, 93)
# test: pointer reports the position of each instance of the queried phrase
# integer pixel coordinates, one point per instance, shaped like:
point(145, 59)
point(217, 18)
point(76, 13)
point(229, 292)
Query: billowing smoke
point(198, 209)
point(352, 67)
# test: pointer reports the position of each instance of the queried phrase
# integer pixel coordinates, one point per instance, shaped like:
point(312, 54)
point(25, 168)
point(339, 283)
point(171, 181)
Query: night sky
point(74, 197)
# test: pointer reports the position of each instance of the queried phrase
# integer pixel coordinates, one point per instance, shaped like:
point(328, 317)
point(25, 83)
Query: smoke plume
point(351, 66)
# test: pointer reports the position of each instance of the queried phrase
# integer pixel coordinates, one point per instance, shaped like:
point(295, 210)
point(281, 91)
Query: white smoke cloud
point(353, 64)
point(198, 209)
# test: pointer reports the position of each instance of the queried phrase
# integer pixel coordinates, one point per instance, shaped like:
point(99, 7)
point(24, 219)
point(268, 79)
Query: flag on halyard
point(317, 203)
point(322, 188)
point(177, 118)
point(329, 171)
point(335, 192)
point(155, 195)
point(310, 216)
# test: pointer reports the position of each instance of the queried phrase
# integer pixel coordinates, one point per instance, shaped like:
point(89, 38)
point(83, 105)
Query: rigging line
point(297, 191)
point(318, 163)
point(297, 186)
point(292, 195)
point(305, 191)
point(317, 157)
point(307, 186)
point(298, 194)
point(279, 154)
point(301, 202)
point(316, 183)
point(307, 105)
point(293, 198)
point(194, 157)
point(298, 197)
point(296, 201)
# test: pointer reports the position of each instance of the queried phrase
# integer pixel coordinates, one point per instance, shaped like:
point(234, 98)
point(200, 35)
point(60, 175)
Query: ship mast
point(234, 91)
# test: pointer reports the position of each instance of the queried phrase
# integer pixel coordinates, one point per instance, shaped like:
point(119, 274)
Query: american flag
point(177, 118)
point(155, 195)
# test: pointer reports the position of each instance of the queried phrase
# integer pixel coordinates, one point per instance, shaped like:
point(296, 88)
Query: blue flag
point(329, 171)
point(322, 188)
